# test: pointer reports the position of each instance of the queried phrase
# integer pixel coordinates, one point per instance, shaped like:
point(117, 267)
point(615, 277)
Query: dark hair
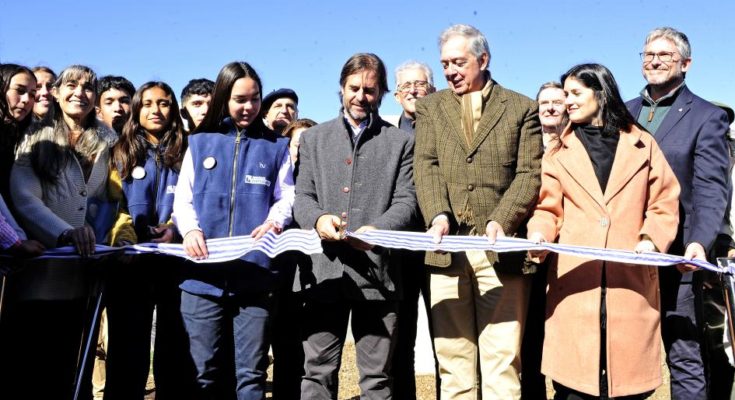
point(218, 109)
point(130, 149)
point(45, 119)
point(199, 86)
point(366, 62)
point(615, 116)
point(11, 130)
point(43, 68)
point(108, 82)
point(297, 124)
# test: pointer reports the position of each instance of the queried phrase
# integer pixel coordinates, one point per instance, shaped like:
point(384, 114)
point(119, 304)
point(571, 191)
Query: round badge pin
point(209, 162)
point(138, 172)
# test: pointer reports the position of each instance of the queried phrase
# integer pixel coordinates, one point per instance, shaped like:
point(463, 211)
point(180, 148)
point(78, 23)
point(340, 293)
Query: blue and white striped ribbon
point(232, 248)
point(424, 241)
point(308, 242)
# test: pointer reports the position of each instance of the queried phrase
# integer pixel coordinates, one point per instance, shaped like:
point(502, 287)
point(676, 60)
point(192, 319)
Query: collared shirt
point(356, 130)
point(653, 112)
point(407, 124)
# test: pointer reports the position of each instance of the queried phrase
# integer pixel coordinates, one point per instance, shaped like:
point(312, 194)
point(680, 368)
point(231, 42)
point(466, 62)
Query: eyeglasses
point(664, 56)
point(406, 87)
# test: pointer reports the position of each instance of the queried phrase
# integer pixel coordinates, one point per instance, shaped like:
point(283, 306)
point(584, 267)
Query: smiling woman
point(147, 159)
point(605, 184)
point(18, 86)
point(236, 179)
point(59, 188)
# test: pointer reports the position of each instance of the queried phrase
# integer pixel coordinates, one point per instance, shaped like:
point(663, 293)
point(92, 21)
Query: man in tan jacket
point(477, 171)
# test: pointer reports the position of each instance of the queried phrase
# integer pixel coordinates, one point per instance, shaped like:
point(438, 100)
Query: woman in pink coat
point(605, 183)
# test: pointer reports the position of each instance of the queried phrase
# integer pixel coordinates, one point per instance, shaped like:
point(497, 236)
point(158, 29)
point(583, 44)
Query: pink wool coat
point(641, 200)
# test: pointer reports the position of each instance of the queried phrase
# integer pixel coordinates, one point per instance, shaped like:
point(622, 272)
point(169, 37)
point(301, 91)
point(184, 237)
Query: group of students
point(71, 180)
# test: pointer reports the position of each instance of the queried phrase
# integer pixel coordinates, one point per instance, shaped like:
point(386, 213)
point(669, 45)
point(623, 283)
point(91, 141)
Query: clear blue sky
point(303, 45)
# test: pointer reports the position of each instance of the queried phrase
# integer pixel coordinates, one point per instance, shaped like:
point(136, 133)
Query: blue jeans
point(226, 332)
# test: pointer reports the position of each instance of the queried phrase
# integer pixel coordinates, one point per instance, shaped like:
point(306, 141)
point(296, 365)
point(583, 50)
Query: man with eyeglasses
point(414, 80)
point(477, 170)
point(691, 132)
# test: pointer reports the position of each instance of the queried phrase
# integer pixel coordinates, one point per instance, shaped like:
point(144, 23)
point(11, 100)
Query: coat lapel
point(629, 157)
point(576, 162)
point(681, 106)
point(491, 114)
point(453, 113)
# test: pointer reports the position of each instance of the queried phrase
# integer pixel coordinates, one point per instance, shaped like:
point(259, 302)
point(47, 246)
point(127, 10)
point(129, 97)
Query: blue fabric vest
point(232, 194)
point(150, 198)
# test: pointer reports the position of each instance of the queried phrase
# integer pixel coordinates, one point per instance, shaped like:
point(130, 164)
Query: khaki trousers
point(99, 372)
point(478, 317)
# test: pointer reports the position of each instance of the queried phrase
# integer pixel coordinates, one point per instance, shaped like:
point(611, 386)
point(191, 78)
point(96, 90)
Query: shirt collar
point(672, 94)
point(356, 131)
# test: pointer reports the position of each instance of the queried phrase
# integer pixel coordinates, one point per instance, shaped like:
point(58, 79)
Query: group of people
point(90, 160)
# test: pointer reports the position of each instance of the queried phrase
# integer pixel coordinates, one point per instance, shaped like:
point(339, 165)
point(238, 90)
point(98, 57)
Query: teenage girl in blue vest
point(236, 179)
point(147, 159)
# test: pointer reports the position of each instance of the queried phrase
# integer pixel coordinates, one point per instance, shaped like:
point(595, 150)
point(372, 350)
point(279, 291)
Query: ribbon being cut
point(308, 242)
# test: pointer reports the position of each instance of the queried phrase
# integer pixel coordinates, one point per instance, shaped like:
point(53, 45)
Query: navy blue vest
point(234, 181)
point(150, 198)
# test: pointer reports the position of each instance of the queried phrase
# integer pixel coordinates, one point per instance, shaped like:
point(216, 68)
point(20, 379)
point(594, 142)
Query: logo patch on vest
point(170, 189)
point(257, 180)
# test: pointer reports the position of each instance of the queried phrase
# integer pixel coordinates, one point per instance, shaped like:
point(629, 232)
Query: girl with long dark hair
point(146, 161)
point(16, 102)
point(236, 179)
point(605, 183)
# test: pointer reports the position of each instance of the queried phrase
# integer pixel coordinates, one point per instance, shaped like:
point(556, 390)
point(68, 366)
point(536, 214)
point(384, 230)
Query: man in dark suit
point(477, 170)
point(414, 80)
point(355, 174)
point(691, 132)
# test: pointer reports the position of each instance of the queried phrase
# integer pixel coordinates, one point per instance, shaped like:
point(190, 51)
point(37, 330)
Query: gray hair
point(413, 64)
point(478, 42)
point(549, 85)
point(679, 38)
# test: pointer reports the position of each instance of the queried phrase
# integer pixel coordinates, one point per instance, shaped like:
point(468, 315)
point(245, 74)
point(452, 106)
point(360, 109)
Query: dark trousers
point(41, 341)
point(133, 291)
point(681, 313)
point(288, 351)
point(228, 341)
point(720, 373)
point(415, 283)
point(562, 392)
point(325, 328)
point(533, 382)
point(46, 317)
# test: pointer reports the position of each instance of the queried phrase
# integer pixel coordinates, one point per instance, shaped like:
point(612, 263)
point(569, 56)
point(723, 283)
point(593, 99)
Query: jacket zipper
point(234, 180)
point(156, 183)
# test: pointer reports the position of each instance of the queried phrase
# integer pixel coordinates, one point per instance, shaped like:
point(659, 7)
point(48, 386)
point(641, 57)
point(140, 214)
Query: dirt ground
point(425, 390)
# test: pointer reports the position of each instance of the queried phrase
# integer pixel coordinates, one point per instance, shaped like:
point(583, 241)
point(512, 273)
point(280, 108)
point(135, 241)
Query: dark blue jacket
point(692, 137)
point(150, 198)
point(235, 177)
